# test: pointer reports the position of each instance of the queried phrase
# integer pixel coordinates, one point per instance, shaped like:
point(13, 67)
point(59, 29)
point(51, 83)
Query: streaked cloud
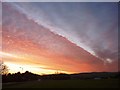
point(53, 36)
point(83, 25)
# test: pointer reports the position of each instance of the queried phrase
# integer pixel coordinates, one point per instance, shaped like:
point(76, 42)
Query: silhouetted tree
point(3, 69)
point(19, 77)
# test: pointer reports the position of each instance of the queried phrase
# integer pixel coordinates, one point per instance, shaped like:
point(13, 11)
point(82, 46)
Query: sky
point(48, 37)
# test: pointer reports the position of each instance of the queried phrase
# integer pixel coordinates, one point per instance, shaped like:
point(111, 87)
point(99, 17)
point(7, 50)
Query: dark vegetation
point(19, 77)
point(28, 76)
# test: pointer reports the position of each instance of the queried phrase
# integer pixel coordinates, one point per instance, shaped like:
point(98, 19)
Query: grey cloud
point(93, 26)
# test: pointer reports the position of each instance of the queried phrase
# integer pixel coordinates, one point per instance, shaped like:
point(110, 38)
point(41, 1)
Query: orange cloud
point(27, 43)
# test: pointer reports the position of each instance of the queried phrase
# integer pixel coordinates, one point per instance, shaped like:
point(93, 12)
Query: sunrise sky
point(44, 38)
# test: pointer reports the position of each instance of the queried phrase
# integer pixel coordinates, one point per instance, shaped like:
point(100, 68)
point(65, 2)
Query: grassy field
point(103, 83)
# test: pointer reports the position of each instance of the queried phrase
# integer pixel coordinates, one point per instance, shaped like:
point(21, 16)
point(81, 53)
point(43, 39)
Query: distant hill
point(96, 75)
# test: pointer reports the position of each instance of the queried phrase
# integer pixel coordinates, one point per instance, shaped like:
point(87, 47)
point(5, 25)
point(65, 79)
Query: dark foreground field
point(103, 83)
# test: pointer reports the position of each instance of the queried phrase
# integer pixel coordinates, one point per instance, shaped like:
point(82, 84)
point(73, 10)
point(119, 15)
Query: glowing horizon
point(21, 67)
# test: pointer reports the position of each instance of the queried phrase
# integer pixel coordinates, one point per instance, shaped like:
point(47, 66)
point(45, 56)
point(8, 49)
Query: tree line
point(28, 76)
